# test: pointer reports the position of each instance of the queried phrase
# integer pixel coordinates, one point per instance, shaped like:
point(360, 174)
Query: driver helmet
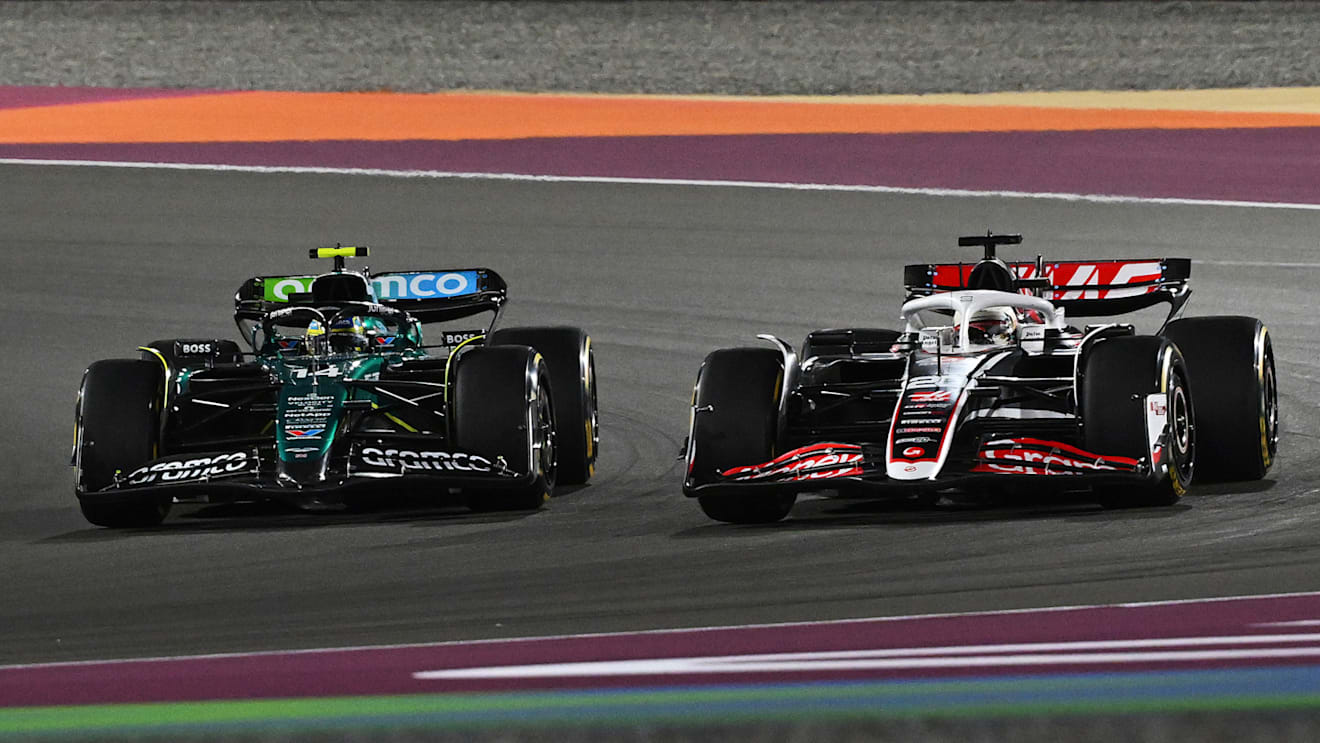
point(992, 327)
point(355, 334)
point(314, 340)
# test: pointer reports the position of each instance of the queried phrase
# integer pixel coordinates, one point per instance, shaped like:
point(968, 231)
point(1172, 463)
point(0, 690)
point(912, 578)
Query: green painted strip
point(1065, 695)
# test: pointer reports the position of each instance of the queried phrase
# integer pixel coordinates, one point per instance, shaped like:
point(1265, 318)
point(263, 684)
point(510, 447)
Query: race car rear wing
point(429, 296)
point(1082, 288)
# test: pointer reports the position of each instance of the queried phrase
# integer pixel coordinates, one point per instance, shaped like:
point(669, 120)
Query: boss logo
point(455, 337)
point(194, 348)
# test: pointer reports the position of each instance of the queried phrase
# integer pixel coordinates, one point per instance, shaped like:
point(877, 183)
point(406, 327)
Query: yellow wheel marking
point(165, 400)
point(587, 382)
point(448, 362)
point(1260, 380)
point(1174, 480)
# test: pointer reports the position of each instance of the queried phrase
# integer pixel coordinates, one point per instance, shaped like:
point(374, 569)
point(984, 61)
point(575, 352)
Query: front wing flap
point(258, 470)
point(837, 464)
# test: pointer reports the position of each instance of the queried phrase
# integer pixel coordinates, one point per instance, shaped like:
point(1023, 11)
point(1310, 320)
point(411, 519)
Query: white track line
point(671, 631)
point(734, 664)
point(1091, 198)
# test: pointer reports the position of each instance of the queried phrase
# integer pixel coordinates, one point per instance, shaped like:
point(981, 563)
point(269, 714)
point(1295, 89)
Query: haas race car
point(989, 387)
point(341, 401)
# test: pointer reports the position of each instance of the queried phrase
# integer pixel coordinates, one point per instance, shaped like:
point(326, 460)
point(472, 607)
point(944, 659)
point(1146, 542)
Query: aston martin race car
point(340, 401)
point(989, 387)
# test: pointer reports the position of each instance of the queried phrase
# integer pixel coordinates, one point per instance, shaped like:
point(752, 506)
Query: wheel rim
point(594, 414)
point(1182, 425)
point(1180, 421)
point(1270, 391)
point(544, 441)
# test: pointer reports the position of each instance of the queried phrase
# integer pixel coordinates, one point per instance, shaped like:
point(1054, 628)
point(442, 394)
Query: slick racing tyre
point(572, 363)
point(1119, 374)
point(1230, 367)
point(117, 423)
point(503, 409)
point(735, 422)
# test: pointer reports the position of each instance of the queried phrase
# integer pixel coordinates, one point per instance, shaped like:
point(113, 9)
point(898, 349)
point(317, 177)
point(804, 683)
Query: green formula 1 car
point(341, 401)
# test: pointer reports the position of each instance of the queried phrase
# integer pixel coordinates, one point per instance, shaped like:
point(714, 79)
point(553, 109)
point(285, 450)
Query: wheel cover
point(1180, 420)
point(593, 416)
point(1270, 414)
point(543, 434)
point(1182, 429)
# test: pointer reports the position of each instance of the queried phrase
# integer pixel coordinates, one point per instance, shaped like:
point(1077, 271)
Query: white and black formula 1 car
point(340, 401)
point(988, 386)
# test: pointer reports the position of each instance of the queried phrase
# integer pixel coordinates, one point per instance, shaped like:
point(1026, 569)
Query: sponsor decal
point(191, 469)
point(278, 289)
point(305, 416)
point(919, 429)
point(408, 460)
point(1028, 456)
point(919, 421)
point(385, 341)
point(931, 396)
point(914, 440)
point(1071, 279)
point(814, 462)
point(913, 451)
point(413, 285)
point(194, 348)
point(290, 344)
point(424, 285)
point(455, 337)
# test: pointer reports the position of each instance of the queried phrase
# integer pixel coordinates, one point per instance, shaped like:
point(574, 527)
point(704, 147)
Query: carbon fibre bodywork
point(873, 412)
point(304, 417)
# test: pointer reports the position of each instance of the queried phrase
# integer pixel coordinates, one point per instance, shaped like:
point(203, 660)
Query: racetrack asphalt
point(104, 259)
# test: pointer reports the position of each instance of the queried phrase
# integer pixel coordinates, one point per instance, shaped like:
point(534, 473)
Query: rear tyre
point(1120, 373)
point(572, 366)
point(1230, 367)
point(735, 422)
point(503, 409)
point(118, 425)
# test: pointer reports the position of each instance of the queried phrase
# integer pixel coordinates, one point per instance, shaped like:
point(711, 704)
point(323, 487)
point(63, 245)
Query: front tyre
point(503, 409)
point(117, 422)
point(735, 422)
point(1119, 374)
point(1230, 366)
point(572, 364)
